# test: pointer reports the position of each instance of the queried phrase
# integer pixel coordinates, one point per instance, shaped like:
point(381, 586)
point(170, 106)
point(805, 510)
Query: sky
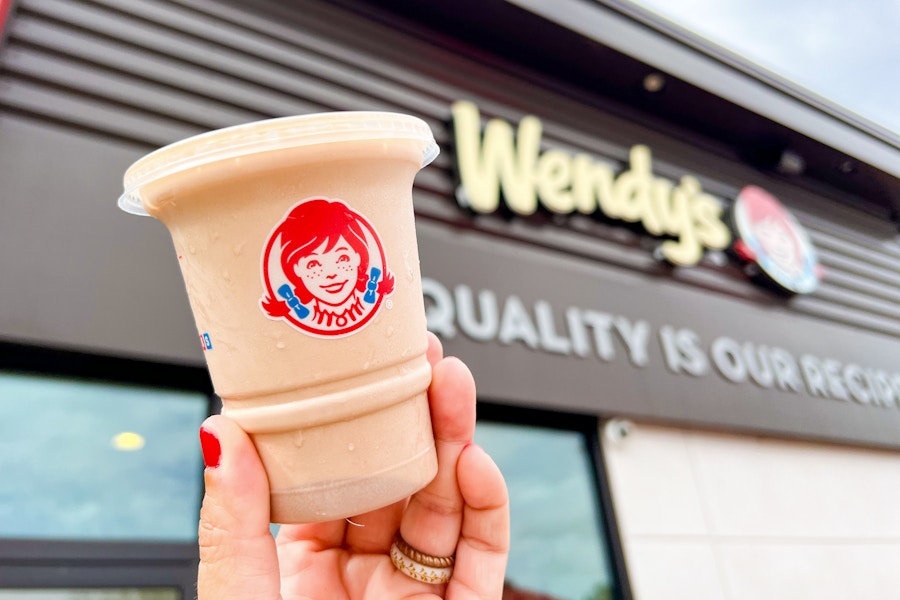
point(848, 52)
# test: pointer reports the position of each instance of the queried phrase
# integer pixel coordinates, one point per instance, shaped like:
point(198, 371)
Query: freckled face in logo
point(323, 269)
point(768, 235)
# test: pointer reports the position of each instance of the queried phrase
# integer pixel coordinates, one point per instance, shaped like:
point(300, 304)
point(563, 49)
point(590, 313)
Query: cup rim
point(271, 134)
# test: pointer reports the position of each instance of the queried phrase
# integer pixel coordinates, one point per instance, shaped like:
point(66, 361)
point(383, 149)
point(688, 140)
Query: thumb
point(238, 560)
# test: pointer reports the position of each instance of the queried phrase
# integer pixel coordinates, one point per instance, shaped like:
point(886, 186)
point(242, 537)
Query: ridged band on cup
point(341, 405)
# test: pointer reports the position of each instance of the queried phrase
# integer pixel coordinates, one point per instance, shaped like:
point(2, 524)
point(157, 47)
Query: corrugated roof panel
point(153, 71)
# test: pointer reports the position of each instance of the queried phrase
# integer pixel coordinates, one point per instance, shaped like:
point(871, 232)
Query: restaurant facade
point(675, 277)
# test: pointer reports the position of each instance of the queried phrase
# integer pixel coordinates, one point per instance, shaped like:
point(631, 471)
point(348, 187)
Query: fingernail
point(212, 449)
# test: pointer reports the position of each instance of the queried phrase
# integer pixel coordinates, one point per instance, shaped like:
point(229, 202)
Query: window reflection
point(557, 552)
point(91, 460)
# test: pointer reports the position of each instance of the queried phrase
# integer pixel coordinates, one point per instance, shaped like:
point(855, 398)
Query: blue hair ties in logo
point(372, 285)
point(293, 301)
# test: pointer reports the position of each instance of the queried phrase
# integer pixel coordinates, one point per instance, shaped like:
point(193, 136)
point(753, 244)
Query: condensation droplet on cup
point(298, 438)
point(351, 447)
point(389, 331)
point(410, 272)
point(281, 345)
point(192, 249)
point(238, 249)
point(226, 276)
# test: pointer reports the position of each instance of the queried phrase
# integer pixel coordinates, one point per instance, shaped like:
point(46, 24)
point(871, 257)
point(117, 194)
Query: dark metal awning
point(610, 47)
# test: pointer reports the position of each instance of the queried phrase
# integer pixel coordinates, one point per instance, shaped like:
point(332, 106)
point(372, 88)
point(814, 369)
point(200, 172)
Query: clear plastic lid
point(273, 134)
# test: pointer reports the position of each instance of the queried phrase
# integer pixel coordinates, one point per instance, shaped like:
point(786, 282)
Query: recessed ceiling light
point(654, 82)
point(847, 167)
point(128, 441)
point(791, 163)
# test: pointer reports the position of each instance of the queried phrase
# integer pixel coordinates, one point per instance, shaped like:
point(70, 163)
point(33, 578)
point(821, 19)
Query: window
point(102, 475)
point(97, 460)
point(558, 548)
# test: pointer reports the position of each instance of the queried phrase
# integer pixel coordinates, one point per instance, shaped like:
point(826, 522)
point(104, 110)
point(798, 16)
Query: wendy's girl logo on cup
point(324, 270)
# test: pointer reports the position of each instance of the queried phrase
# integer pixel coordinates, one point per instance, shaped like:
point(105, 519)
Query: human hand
point(463, 511)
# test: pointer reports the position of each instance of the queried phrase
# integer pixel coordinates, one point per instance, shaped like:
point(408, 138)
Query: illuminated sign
point(499, 166)
point(769, 237)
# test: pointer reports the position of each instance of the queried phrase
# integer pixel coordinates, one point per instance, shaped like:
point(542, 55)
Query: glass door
point(559, 548)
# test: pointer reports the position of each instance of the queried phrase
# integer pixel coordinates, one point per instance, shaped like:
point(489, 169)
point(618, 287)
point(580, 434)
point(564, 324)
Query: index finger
point(432, 520)
point(483, 548)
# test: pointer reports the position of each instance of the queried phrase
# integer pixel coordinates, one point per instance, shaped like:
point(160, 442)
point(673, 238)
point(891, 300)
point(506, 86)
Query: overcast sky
point(847, 51)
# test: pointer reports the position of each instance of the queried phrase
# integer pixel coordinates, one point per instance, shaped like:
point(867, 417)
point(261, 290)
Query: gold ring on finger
point(418, 565)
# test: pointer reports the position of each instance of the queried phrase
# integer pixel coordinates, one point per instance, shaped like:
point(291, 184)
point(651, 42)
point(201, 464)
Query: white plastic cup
point(297, 244)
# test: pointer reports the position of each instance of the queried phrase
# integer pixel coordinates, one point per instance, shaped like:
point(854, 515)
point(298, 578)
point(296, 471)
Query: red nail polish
point(211, 448)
